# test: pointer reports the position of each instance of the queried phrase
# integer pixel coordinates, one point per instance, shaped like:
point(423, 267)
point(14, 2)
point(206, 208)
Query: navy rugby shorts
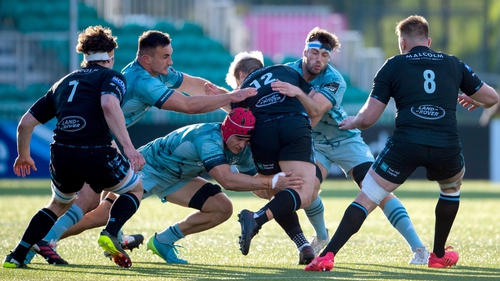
point(283, 139)
point(399, 160)
point(101, 167)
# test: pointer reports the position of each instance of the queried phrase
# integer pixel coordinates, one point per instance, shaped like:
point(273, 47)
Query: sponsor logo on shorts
point(265, 166)
point(272, 98)
point(71, 124)
point(428, 112)
point(389, 170)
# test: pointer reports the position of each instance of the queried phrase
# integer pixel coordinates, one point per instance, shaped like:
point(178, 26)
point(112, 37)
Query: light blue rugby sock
point(70, 218)
point(398, 216)
point(315, 213)
point(170, 235)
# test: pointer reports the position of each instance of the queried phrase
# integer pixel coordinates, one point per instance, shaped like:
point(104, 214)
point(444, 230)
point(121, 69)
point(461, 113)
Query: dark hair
point(324, 37)
point(95, 39)
point(151, 39)
point(413, 26)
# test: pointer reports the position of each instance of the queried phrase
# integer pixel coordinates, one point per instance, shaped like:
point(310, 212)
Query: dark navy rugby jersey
point(268, 104)
point(425, 86)
point(75, 101)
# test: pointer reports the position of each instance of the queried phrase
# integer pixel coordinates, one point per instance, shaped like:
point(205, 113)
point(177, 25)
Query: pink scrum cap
point(239, 122)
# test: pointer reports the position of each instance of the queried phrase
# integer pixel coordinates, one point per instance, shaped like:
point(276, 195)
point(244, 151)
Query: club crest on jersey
point(71, 124)
point(333, 87)
point(233, 160)
point(272, 98)
point(428, 112)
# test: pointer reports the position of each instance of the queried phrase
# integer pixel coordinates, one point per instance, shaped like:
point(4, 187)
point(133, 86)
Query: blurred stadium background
point(37, 41)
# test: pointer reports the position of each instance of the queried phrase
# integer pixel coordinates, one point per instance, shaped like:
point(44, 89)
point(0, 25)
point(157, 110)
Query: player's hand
point(242, 94)
point(285, 88)
point(347, 124)
point(467, 102)
point(23, 166)
point(211, 89)
point(288, 181)
point(136, 159)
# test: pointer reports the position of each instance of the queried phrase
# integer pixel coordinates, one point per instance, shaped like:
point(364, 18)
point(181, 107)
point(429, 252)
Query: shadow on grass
point(144, 271)
point(27, 187)
point(351, 194)
point(383, 272)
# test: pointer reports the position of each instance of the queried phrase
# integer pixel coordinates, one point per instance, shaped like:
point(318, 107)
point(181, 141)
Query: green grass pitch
point(376, 252)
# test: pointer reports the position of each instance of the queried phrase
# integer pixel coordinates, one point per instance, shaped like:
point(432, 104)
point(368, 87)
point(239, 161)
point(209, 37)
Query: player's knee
point(319, 175)
point(58, 207)
point(306, 200)
point(62, 198)
point(359, 172)
point(224, 207)
point(389, 197)
point(373, 190)
point(453, 186)
point(131, 183)
point(201, 196)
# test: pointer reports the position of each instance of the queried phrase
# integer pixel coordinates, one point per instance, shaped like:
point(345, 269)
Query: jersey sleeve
point(381, 89)
point(153, 91)
point(43, 109)
point(332, 87)
point(470, 82)
point(211, 150)
point(173, 79)
point(115, 85)
point(304, 85)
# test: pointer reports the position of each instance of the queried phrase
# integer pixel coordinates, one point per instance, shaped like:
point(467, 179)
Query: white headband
point(318, 45)
point(97, 56)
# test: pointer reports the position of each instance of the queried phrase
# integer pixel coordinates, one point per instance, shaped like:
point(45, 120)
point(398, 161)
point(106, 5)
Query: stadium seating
point(194, 52)
point(166, 27)
point(10, 93)
point(35, 91)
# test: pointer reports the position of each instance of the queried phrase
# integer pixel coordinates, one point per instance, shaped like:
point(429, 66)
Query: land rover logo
point(71, 124)
point(429, 112)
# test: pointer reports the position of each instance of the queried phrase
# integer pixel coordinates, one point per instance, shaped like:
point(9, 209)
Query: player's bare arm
point(312, 107)
point(116, 122)
point(203, 104)
point(366, 117)
point(242, 182)
point(198, 86)
point(24, 163)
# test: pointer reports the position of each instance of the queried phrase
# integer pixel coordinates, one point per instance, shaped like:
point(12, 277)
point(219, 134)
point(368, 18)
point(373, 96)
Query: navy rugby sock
point(39, 226)
point(122, 210)
point(284, 202)
point(291, 225)
point(446, 211)
point(351, 222)
point(316, 215)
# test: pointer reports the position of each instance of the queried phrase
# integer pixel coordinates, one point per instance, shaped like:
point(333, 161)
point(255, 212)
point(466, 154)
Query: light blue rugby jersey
point(332, 86)
point(144, 90)
point(193, 150)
